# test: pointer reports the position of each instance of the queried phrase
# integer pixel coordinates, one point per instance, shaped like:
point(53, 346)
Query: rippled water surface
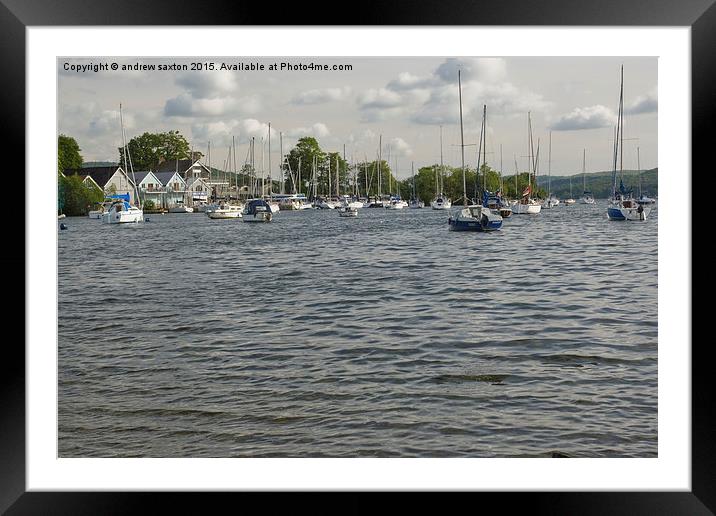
point(385, 335)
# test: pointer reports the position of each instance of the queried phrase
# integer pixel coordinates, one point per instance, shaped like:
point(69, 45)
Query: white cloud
point(185, 105)
point(400, 147)
point(208, 85)
point(434, 99)
point(408, 81)
point(320, 96)
point(219, 133)
point(376, 98)
point(319, 130)
point(592, 117)
point(643, 104)
point(484, 69)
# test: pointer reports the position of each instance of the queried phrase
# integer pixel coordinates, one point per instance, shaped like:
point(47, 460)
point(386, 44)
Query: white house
point(150, 187)
point(174, 186)
point(198, 190)
point(187, 168)
point(110, 179)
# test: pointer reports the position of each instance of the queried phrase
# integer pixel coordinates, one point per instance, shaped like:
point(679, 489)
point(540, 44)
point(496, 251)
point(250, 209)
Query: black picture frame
point(16, 15)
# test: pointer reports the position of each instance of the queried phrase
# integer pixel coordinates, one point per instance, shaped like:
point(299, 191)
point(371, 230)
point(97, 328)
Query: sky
point(406, 100)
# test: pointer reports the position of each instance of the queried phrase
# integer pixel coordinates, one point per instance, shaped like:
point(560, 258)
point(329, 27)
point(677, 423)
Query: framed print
point(515, 297)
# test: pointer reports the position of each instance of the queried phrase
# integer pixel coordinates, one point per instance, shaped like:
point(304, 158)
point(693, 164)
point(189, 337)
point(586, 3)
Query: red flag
point(526, 192)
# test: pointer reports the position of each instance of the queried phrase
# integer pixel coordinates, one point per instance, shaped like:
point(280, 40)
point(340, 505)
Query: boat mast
point(462, 142)
point(549, 168)
point(584, 173)
point(638, 166)
point(236, 176)
point(137, 201)
point(280, 154)
point(442, 171)
point(530, 149)
point(484, 146)
point(380, 159)
point(502, 186)
point(269, 163)
point(479, 153)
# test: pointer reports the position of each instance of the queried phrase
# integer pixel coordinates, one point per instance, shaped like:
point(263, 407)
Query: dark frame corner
point(16, 15)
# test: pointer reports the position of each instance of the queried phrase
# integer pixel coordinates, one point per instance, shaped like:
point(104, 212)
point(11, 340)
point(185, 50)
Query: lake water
point(385, 335)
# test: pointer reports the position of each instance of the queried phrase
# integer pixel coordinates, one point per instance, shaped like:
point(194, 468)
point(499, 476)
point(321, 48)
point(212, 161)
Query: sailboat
point(474, 217)
point(256, 210)
point(120, 211)
point(526, 204)
point(415, 203)
point(587, 197)
point(622, 206)
point(441, 201)
point(491, 200)
point(551, 201)
point(570, 201)
point(643, 198)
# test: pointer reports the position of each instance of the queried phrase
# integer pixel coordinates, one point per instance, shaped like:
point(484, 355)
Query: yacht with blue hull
point(257, 210)
point(475, 218)
point(622, 205)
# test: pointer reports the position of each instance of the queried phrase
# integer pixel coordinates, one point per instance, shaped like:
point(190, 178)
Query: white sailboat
point(587, 197)
point(526, 204)
point(441, 201)
point(643, 198)
point(121, 211)
point(225, 211)
point(415, 203)
point(473, 217)
point(622, 206)
point(570, 201)
point(551, 201)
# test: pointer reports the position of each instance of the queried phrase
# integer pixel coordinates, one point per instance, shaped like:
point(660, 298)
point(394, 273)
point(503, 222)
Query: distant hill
point(600, 183)
point(88, 164)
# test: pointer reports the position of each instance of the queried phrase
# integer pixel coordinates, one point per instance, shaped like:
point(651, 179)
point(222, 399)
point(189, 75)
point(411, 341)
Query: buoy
point(146, 220)
point(62, 226)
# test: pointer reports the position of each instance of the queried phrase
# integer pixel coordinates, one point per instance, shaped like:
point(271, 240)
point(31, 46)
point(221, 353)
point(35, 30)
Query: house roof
point(100, 175)
point(140, 176)
point(86, 178)
point(192, 180)
point(172, 166)
point(165, 177)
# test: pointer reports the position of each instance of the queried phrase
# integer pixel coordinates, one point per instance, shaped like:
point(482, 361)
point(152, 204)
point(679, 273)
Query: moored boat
point(257, 210)
point(225, 211)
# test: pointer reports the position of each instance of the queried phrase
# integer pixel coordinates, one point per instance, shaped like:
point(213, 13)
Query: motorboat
point(396, 203)
point(257, 210)
point(121, 212)
point(441, 202)
point(225, 211)
point(475, 218)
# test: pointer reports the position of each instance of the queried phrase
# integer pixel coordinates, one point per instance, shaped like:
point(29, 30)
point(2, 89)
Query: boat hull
point(259, 216)
point(621, 213)
point(123, 217)
point(464, 220)
point(526, 209)
point(224, 214)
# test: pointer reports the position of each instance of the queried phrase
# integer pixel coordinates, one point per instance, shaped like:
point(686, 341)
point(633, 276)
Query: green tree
point(76, 197)
point(68, 153)
point(375, 187)
point(304, 152)
point(149, 150)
